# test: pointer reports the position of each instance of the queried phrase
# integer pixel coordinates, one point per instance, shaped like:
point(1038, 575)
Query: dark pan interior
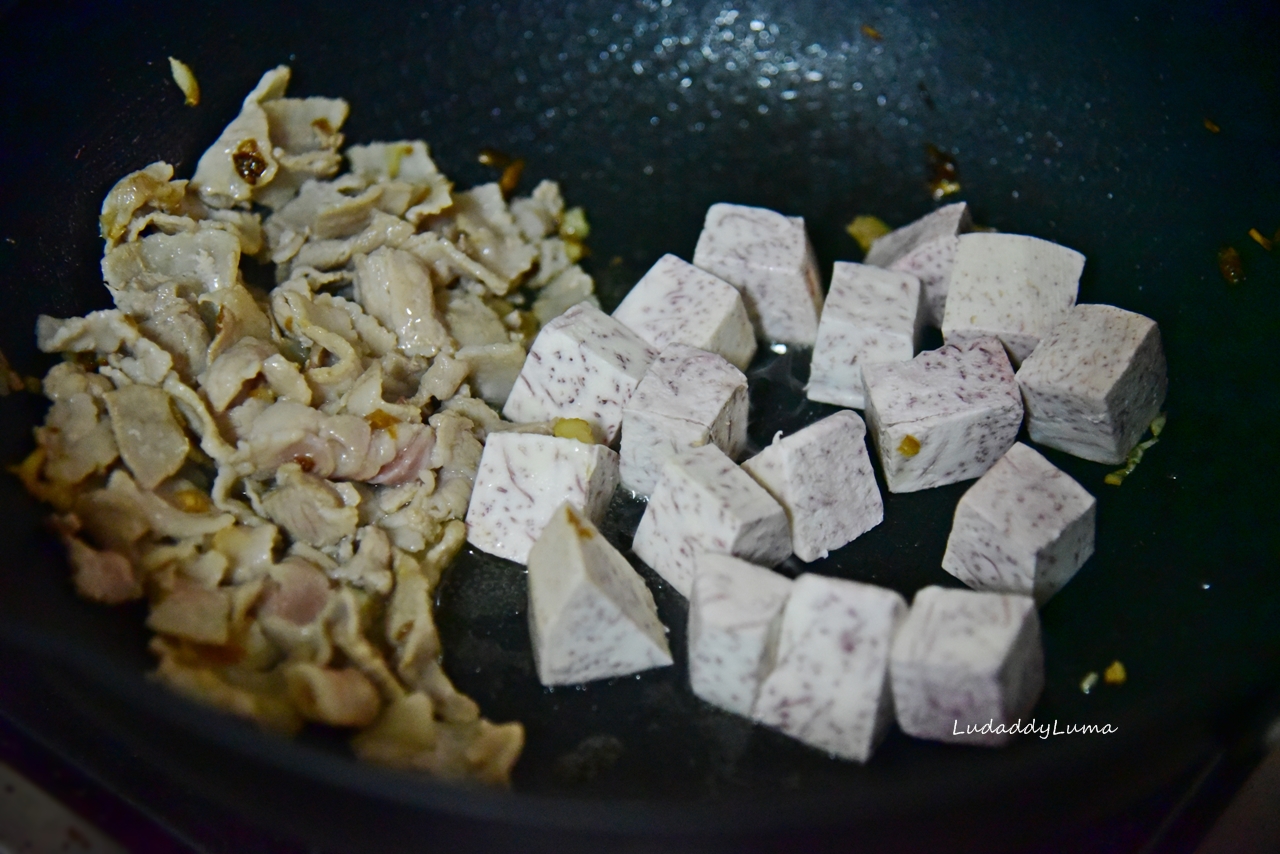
point(1082, 123)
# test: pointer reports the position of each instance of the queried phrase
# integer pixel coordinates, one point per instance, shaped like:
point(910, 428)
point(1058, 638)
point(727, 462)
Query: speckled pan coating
point(734, 609)
point(964, 659)
point(768, 257)
point(828, 677)
point(925, 248)
point(689, 397)
point(1024, 527)
point(1095, 383)
point(871, 315)
point(822, 477)
point(583, 364)
point(590, 614)
point(704, 502)
point(677, 303)
point(1012, 287)
point(957, 407)
point(523, 478)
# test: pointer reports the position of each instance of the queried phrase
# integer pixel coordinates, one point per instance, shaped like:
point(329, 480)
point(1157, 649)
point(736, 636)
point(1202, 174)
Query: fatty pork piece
point(393, 287)
point(689, 397)
point(734, 608)
point(149, 435)
point(822, 477)
point(1024, 527)
point(590, 614)
point(870, 315)
point(521, 481)
point(945, 416)
point(339, 447)
point(1011, 287)
point(768, 257)
point(1095, 383)
point(704, 502)
point(925, 248)
point(963, 660)
point(406, 171)
point(584, 364)
point(827, 681)
point(677, 303)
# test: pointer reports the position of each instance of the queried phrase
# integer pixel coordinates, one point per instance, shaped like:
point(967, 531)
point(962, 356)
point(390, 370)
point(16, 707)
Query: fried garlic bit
point(1117, 477)
point(573, 428)
point(1115, 674)
point(944, 176)
point(1230, 265)
point(1211, 126)
point(866, 230)
point(186, 80)
point(1262, 240)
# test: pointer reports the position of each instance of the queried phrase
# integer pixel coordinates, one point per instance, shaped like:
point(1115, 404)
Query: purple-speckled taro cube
point(768, 257)
point(677, 303)
point(523, 478)
point(1012, 287)
point(689, 397)
point(966, 665)
point(704, 502)
point(590, 614)
point(945, 416)
point(925, 248)
point(733, 611)
point(583, 364)
point(822, 477)
point(1024, 527)
point(828, 677)
point(1095, 383)
point(871, 315)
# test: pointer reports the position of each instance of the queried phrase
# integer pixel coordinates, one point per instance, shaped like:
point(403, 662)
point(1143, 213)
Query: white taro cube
point(523, 478)
point(945, 416)
point(583, 364)
point(1024, 527)
point(734, 609)
point(828, 676)
point(677, 303)
point(768, 257)
point(926, 248)
point(1095, 383)
point(689, 397)
point(871, 315)
point(966, 665)
point(1012, 287)
point(704, 502)
point(822, 477)
point(590, 614)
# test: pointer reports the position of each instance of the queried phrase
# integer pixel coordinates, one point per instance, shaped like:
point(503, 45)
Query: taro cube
point(590, 614)
point(871, 315)
point(677, 303)
point(689, 397)
point(704, 502)
point(1012, 287)
point(1024, 527)
point(828, 676)
point(1095, 383)
point(945, 416)
point(822, 477)
point(733, 610)
point(926, 248)
point(523, 478)
point(583, 364)
point(768, 257)
point(965, 665)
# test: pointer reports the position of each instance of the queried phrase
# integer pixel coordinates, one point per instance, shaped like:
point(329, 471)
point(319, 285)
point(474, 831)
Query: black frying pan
point(1083, 124)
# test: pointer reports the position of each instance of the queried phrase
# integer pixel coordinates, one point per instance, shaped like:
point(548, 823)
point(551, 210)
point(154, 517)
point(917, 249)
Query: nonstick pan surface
point(1083, 123)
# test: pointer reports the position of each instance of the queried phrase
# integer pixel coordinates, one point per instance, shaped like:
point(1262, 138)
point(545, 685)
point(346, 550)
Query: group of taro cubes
point(825, 660)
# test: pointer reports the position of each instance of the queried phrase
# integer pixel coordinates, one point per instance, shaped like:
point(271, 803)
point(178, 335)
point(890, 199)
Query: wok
point(1082, 123)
